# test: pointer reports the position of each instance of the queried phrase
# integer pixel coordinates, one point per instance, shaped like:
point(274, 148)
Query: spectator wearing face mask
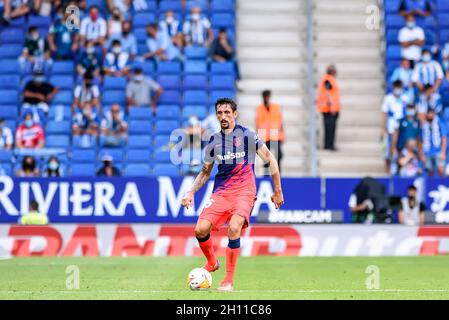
point(412, 39)
point(127, 40)
point(29, 135)
point(114, 129)
point(93, 28)
point(328, 103)
point(434, 143)
point(85, 126)
point(90, 61)
point(428, 72)
point(115, 23)
point(13, 9)
point(123, 6)
point(191, 148)
point(142, 91)
point(222, 50)
point(412, 211)
point(393, 108)
point(53, 168)
point(36, 54)
point(87, 92)
point(38, 93)
point(429, 99)
point(63, 41)
point(409, 162)
point(408, 128)
point(117, 62)
point(160, 47)
point(28, 168)
point(404, 73)
point(169, 26)
point(417, 8)
point(197, 29)
point(108, 169)
point(6, 137)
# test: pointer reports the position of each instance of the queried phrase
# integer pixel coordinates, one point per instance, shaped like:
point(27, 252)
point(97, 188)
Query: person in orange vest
point(328, 103)
point(269, 125)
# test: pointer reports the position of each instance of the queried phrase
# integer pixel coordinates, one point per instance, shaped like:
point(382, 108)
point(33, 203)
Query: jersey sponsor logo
point(231, 155)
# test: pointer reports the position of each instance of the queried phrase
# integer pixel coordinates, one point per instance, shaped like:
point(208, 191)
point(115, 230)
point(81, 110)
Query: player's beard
point(224, 124)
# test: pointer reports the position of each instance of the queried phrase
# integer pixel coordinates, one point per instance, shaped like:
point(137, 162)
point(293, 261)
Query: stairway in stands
point(341, 37)
point(272, 51)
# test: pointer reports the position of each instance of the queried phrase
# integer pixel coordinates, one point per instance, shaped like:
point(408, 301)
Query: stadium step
point(251, 21)
point(281, 52)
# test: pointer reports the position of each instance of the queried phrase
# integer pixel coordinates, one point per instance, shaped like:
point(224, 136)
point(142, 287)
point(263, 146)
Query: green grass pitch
point(256, 278)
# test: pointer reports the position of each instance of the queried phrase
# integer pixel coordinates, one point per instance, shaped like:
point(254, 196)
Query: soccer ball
point(199, 279)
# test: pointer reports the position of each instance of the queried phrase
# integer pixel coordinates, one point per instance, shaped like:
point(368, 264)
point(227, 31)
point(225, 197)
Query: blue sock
point(234, 244)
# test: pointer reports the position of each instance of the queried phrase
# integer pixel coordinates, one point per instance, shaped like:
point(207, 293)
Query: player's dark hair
point(411, 187)
point(34, 205)
point(229, 101)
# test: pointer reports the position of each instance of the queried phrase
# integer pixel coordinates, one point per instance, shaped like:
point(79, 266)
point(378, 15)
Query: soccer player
point(233, 149)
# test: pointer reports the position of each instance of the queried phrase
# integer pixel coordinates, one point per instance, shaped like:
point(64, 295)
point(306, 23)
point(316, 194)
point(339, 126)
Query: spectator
point(222, 51)
point(404, 73)
point(115, 23)
point(29, 135)
point(15, 9)
point(408, 128)
point(63, 41)
point(93, 28)
point(445, 58)
point(197, 29)
point(28, 168)
point(428, 72)
point(38, 93)
point(6, 138)
point(34, 217)
point(169, 26)
point(434, 143)
point(63, 4)
point(412, 39)
point(117, 62)
point(90, 61)
point(46, 8)
point(108, 169)
point(127, 40)
point(114, 129)
point(191, 149)
point(412, 212)
point(143, 91)
point(328, 103)
point(418, 8)
point(36, 53)
point(210, 126)
point(393, 109)
point(123, 6)
point(159, 46)
point(53, 168)
point(85, 125)
point(409, 164)
point(87, 92)
point(430, 99)
point(270, 127)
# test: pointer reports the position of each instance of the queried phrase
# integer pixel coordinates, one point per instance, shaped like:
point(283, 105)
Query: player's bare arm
point(199, 182)
point(265, 154)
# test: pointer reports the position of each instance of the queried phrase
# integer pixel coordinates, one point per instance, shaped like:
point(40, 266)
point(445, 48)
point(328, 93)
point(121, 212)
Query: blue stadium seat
point(9, 111)
point(167, 112)
point(173, 5)
point(11, 124)
point(169, 67)
point(444, 36)
point(9, 81)
point(223, 20)
point(116, 154)
point(215, 95)
point(203, 4)
point(166, 126)
point(394, 52)
point(193, 52)
point(83, 169)
point(142, 19)
point(9, 67)
point(151, 5)
point(196, 82)
point(443, 6)
point(139, 127)
point(10, 51)
point(170, 97)
point(6, 169)
point(196, 97)
point(161, 141)
point(141, 35)
point(63, 97)
point(62, 67)
point(114, 96)
point(431, 37)
point(162, 156)
point(59, 112)
point(114, 83)
point(222, 68)
point(12, 35)
point(77, 143)
point(58, 127)
point(225, 6)
point(62, 82)
point(195, 67)
point(443, 20)
point(5, 155)
point(392, 6)
point(169, 81)
point(393, 21)
point(165, 169)
point(57, 141)
point(392, 37)
point(18, 22)
point(9, 97)
point(39, 21)
point(140, 113)
point(139, 141)
point(222, 82)
point(191, 110)
point(141, 49)
point(84, 155)
point(139, 156)
point(138, 170)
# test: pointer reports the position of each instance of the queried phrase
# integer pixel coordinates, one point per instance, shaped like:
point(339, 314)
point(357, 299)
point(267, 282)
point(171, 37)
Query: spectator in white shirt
point(197, 29)
point(127, 39)
point(115, 23)
point(170, 27)
point(6, 137)
point(87, 92)
point(393, 108)
point(445, 58)
point(114, 128)
point(93, 28)
point(412, 212)
point(404, 73)
point(122, 5)
point(428, 72)
point(412, 39)
point(160, 47)
point(117, 62)
point(429, 99)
